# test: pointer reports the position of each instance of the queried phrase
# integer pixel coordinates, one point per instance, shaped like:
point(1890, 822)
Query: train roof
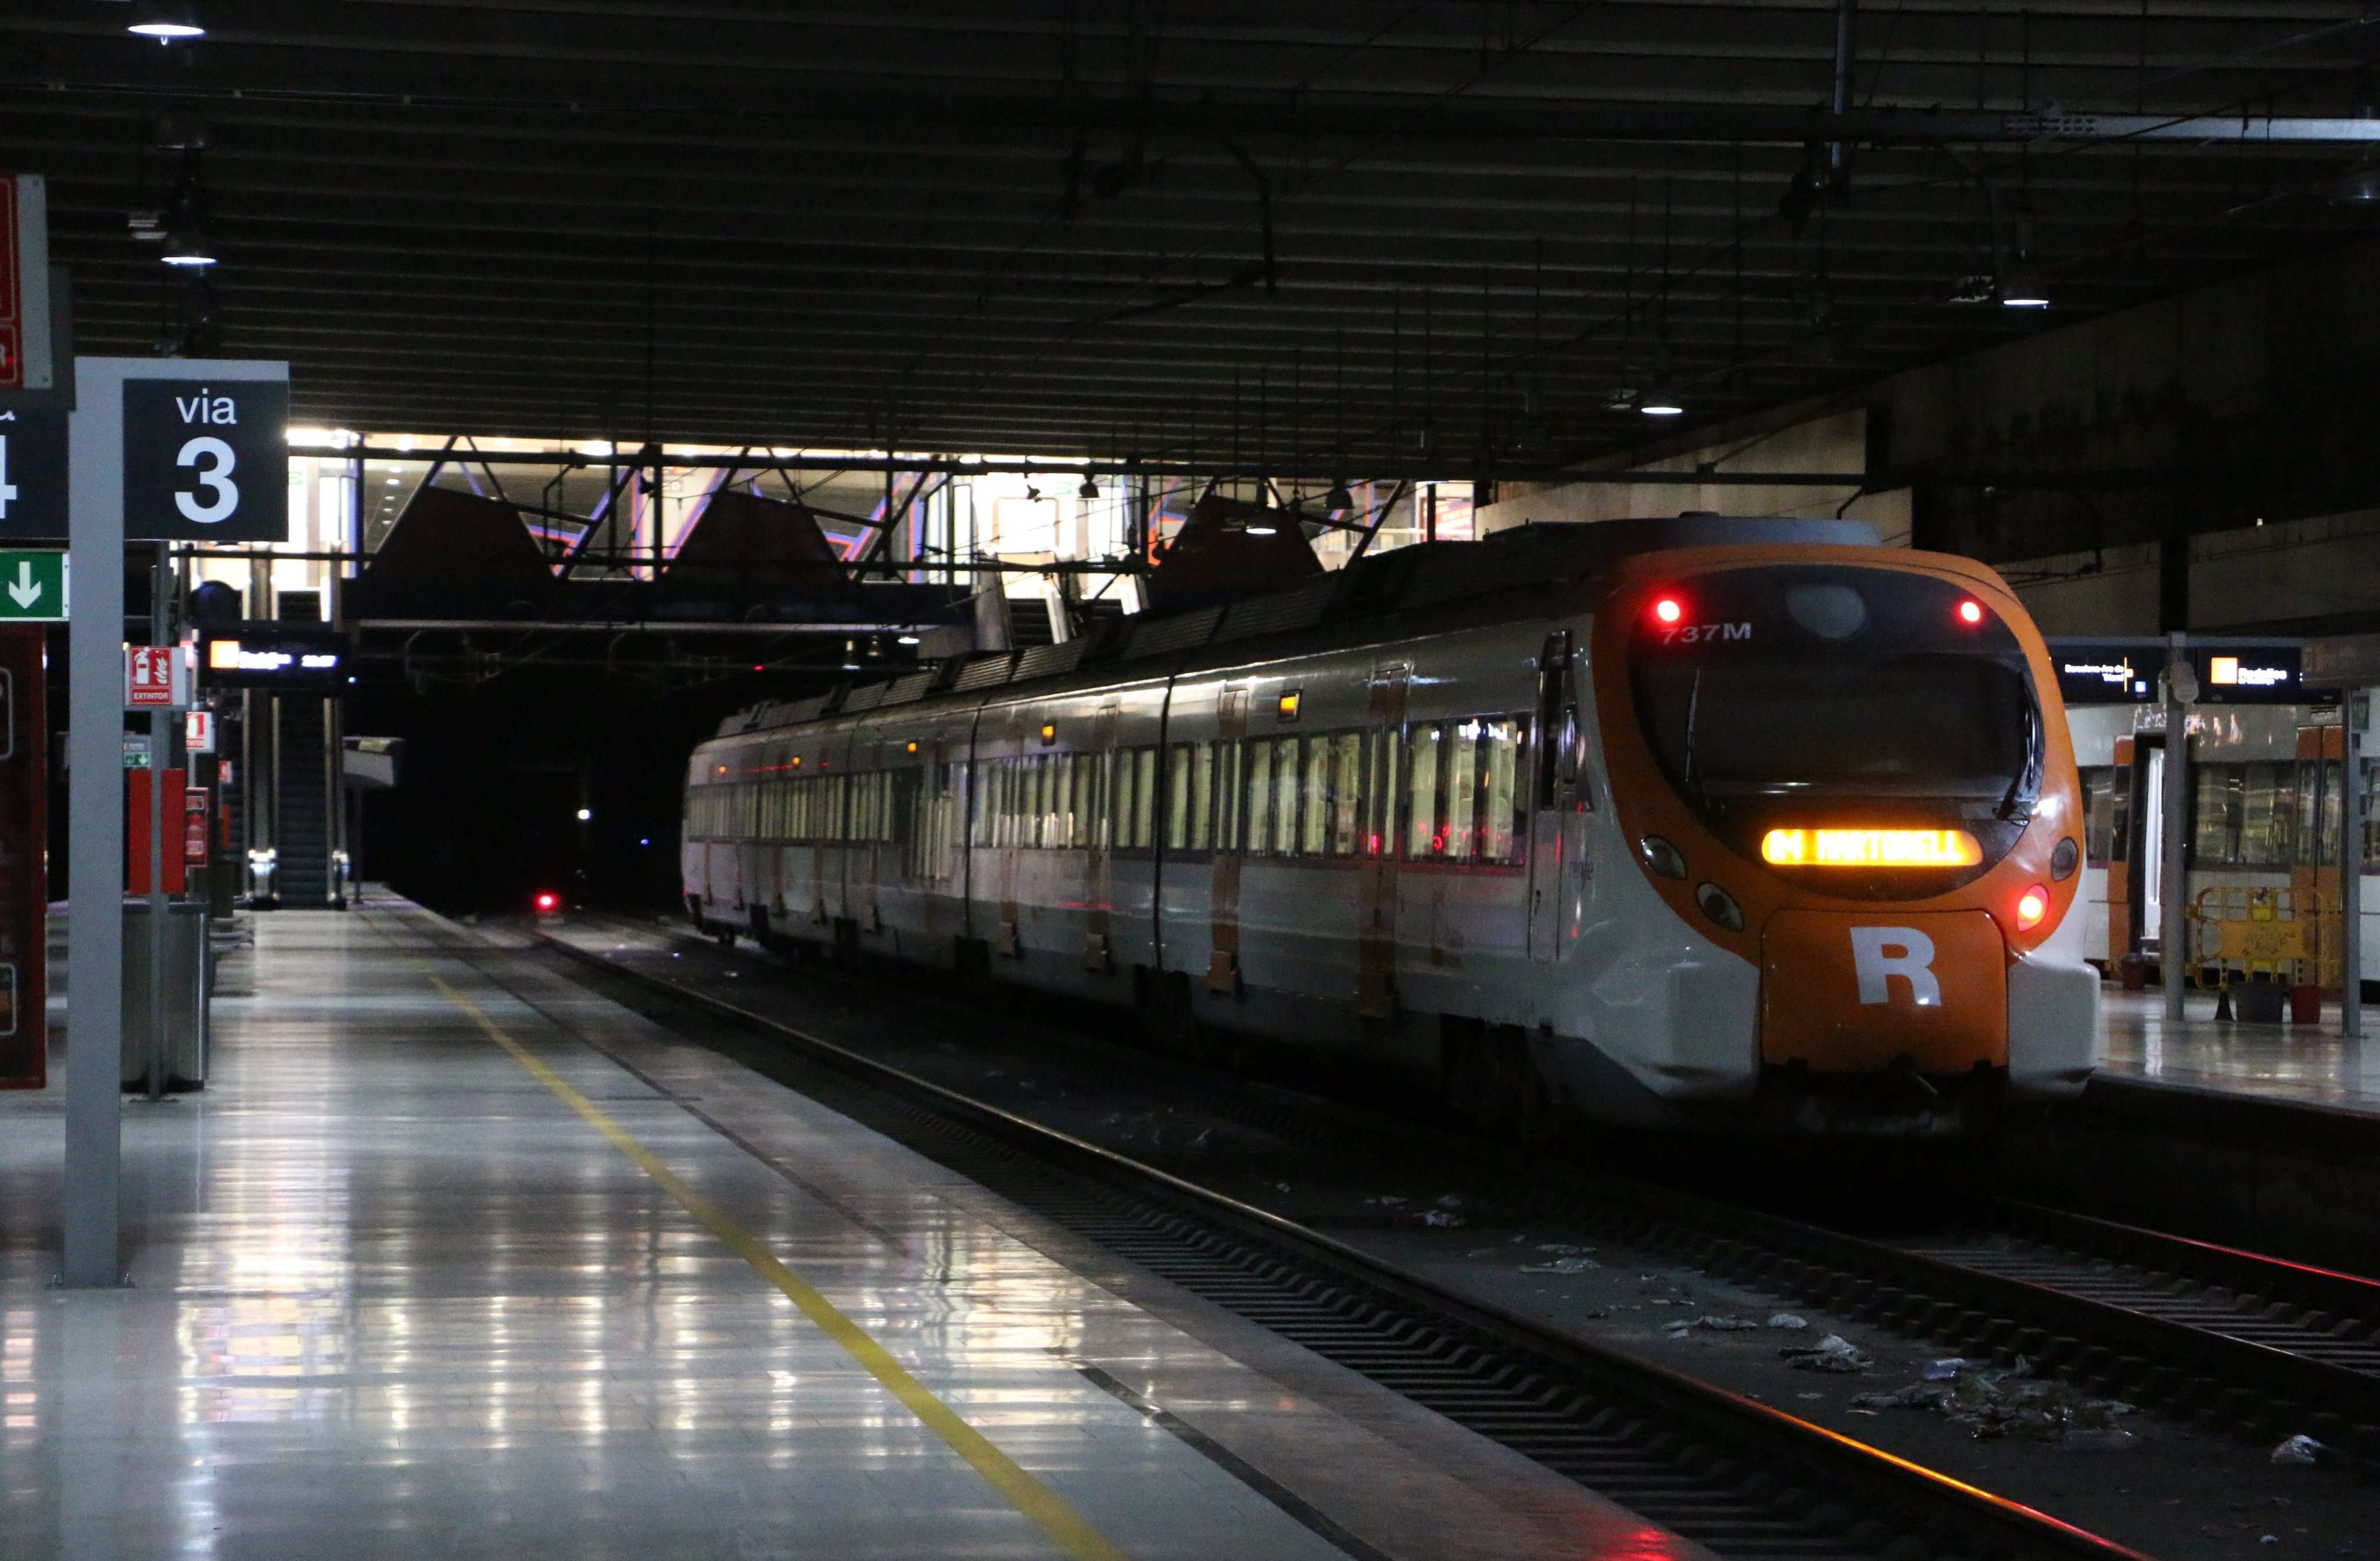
point(1385, 585)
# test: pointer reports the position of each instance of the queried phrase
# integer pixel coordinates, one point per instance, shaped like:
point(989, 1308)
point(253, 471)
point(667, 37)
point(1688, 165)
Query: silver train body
point(1373, 817)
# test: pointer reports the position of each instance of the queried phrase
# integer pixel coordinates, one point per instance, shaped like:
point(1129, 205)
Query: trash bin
point(184, 990)
point(2305, 1003)
point(2258, 1000)
point(2133, 970)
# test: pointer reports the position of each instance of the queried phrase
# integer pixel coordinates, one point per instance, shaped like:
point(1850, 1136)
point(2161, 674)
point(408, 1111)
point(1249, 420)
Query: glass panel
point(1256, 814)
point(1229, 761)
point(1314, 799)
point(1202, 797)
point(2215, 814)
point(1346, 787)
point(2268, 815)
point(2098, 811)
point(1422, 830)
point(1461, 808)
point(1287, 766)
point(1177, 798)
point(1500, 768)
point(1143, 799)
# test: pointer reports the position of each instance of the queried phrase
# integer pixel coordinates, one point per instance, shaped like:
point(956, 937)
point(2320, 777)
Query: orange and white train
point(1662, 822)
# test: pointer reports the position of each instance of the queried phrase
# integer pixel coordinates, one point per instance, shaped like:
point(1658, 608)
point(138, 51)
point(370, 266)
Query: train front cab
point(1854, 776)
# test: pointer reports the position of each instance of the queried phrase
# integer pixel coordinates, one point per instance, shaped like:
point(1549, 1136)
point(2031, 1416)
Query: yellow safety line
point(1069, 1529)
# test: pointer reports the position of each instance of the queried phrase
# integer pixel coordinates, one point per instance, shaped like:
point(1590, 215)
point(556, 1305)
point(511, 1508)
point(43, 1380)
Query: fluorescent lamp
point(165, 20)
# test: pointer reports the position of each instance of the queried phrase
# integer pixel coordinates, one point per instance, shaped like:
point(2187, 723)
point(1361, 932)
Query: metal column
point(95, 829)
point(161, 742)
point(2173, 928)
point(2350, 884)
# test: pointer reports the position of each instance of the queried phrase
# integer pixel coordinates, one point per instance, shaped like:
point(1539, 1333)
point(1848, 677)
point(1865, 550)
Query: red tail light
point(2030, 907)
point(1970, 611)
point(1668, 609)
point(548, 902)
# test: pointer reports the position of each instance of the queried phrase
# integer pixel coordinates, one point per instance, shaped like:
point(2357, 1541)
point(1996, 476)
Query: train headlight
point(1662, 857)
point(1719, 906)
point(2030, 907)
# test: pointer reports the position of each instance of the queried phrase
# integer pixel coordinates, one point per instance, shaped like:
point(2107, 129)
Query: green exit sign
point(33, 585)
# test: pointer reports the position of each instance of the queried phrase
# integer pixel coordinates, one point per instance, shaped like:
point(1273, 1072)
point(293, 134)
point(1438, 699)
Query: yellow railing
point(2290, 935)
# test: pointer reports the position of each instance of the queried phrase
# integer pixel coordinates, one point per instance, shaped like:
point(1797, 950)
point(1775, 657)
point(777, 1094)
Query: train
point(1700, 821)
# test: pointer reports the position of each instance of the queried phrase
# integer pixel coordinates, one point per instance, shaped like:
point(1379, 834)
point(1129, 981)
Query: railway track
point(2317, 1313)
point(1732, 1474)
point(2230, 1342)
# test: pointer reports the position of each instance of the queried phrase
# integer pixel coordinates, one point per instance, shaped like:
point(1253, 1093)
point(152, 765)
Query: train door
point(1558, 867)
point(2144, 874)
point(1224, 881)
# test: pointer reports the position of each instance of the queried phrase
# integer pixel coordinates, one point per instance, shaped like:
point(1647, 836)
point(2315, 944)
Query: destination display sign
point(264, 656)
point(2230, 671)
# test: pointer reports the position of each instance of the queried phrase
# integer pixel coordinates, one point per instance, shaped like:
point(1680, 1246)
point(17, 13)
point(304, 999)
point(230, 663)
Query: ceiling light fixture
point(1089, 490)
point(2025, 290)
point(1662, 403)
point(1338, 498)
point(167, 22)
point(187, 247)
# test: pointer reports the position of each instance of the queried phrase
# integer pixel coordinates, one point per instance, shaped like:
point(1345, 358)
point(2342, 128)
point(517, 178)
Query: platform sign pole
point(160, 766)
point(2173, 898)
point(95, 828)
point(2350, 884)
point(157, 448)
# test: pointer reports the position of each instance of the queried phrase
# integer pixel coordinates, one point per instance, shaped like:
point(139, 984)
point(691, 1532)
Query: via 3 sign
point(206, 460)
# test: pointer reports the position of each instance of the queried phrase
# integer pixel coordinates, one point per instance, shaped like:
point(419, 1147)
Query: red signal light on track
point(1668, 609)
point(2030, 907)
point(1970, 611)
point(548, 902)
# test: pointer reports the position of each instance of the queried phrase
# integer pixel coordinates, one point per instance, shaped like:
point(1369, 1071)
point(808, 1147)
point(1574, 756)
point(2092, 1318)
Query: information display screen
point(2229, 672)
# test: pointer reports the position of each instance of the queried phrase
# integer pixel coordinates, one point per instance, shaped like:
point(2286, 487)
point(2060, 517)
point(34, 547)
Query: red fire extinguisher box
point(24, 858)
point(136, 833)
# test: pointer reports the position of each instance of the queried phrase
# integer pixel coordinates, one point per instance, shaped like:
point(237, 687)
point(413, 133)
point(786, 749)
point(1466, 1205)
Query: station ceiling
point(1294, 234)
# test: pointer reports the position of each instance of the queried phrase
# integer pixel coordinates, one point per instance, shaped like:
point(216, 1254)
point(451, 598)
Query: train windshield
point(1813, 698)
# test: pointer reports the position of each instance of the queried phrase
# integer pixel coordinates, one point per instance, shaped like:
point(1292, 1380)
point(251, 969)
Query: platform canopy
point(1297, 234)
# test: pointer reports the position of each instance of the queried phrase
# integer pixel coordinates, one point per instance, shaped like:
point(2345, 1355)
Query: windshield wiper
point(2029, 773)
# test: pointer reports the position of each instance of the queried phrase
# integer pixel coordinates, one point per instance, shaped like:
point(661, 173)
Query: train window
point(1384, 768)
point(1225, 831)
point(1498, 768)
point(1177, 797)
point(1343, 791)
point(1424, 836)
point(1461, 808)
point(1255, 834)
point(1288, 775)
point(1202, 794)
point(2098, 812)
point(1143, 799)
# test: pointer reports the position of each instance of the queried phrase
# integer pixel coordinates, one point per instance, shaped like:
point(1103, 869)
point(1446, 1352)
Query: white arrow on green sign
point(32, 584)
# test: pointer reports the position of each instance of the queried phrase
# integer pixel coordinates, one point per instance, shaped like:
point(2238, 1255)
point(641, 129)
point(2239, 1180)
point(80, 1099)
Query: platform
point(2300, 1064)
point(456, 1259)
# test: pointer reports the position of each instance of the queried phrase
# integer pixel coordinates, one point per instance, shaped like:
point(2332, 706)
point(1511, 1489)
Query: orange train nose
point(1847, 991)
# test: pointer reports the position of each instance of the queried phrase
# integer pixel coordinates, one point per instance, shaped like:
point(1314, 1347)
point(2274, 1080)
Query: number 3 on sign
point(215, 476)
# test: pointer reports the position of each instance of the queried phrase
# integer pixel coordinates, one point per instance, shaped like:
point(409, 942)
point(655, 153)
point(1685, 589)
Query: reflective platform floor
point(456, 1259)
point(2307, 1064)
